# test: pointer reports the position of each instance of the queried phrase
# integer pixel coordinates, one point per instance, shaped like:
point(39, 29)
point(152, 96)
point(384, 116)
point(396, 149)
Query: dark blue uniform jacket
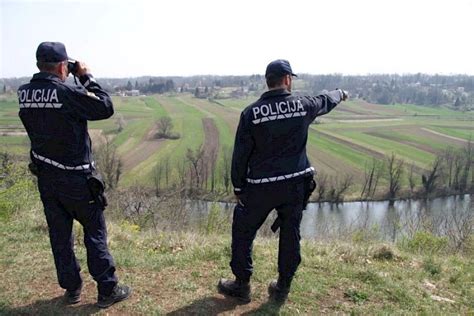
point(270, 144)
point(55, 116)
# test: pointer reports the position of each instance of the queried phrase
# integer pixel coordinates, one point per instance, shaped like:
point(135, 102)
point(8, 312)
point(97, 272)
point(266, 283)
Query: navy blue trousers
point(66, 197)
point(287, 197)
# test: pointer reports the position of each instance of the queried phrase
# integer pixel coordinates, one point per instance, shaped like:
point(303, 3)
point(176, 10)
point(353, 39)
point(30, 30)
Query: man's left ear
point(63, 70)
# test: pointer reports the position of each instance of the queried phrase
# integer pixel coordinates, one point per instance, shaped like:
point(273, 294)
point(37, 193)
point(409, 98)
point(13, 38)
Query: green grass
point(132, 135)
point(352, 157)
point(14, 140)
point(178, 272)
point(414, 139)
point(9, 111)
point(386, 146)
point(140, 115)
point(226, 132)
point(237, 103)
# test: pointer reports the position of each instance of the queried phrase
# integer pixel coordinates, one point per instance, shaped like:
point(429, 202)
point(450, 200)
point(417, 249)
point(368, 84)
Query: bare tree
point(120, 121)
point(322, 181)
point(182, 167)
point(457, 169)
point(429, 181)
point(195, 157)
point(395, 171)
point(460, 223)
point(468, 154)
point(166, 164)
point(411, 178)
point(339, 187)
point(226, 166)
point(371, 178)
point(109, 163)
point(213, 175)
point(204, 169)
point(448, 157)
point(158, 171)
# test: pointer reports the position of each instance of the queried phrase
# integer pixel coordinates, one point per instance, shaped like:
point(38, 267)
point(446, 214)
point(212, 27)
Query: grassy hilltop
point(175, 271)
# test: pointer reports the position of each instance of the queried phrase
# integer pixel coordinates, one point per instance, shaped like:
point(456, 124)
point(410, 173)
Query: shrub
point(384, 253)
point(356, 296)
point(215, 221)
point(432, 267)
point(425, 242)
point(17, 191)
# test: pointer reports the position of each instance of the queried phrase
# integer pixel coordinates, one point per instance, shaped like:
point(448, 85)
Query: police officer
point(55, 116)
point(270, 170)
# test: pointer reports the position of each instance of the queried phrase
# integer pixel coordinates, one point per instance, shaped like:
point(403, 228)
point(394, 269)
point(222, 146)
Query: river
point(382, 220)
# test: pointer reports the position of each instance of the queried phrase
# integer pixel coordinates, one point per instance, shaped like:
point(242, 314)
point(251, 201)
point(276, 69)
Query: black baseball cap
point(279, 67)
point(51, 52)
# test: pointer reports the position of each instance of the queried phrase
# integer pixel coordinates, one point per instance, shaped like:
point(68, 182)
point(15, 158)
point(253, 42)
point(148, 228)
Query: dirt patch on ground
point(346, 110)
point(211, 142)
point(147, 147)
point(12, 132)
point(379, 108)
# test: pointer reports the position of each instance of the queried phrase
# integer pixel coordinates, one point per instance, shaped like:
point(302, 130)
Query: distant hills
point(455, 91)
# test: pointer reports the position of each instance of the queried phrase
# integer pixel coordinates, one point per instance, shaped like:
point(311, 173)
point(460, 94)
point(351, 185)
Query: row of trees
point(454, 90)
point(153, 85)
point(457, 91)
point(197, 174)
point(452, 172)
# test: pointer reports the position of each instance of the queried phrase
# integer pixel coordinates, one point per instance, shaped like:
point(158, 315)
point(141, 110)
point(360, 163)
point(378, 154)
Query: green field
point(342, 143)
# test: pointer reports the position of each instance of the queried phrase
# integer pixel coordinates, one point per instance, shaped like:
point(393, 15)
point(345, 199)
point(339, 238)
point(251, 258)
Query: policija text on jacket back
point(55, 116)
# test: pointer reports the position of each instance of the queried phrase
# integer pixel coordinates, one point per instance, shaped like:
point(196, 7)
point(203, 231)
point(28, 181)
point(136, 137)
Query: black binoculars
point(72, 66)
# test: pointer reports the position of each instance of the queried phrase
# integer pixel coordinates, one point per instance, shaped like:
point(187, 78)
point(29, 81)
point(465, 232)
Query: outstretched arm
point(324, 103)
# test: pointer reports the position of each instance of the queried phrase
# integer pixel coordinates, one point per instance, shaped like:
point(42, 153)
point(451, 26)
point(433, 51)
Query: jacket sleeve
point(243, 147)
point(324, 103)
point(90, 102)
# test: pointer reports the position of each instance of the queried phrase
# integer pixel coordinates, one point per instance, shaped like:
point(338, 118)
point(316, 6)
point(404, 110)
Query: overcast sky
point(239, 37)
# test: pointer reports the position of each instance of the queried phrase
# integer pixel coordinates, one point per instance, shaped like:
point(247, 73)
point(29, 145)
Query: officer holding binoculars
point(55, 116)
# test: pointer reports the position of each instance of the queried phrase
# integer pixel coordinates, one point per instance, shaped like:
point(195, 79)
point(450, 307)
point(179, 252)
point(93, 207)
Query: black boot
point(278, 290)
point(119, 293)
point(73, 297)
point(238, 289)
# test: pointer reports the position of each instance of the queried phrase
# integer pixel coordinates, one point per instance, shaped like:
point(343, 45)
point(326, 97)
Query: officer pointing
point(55, 116)
point(270, 170)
